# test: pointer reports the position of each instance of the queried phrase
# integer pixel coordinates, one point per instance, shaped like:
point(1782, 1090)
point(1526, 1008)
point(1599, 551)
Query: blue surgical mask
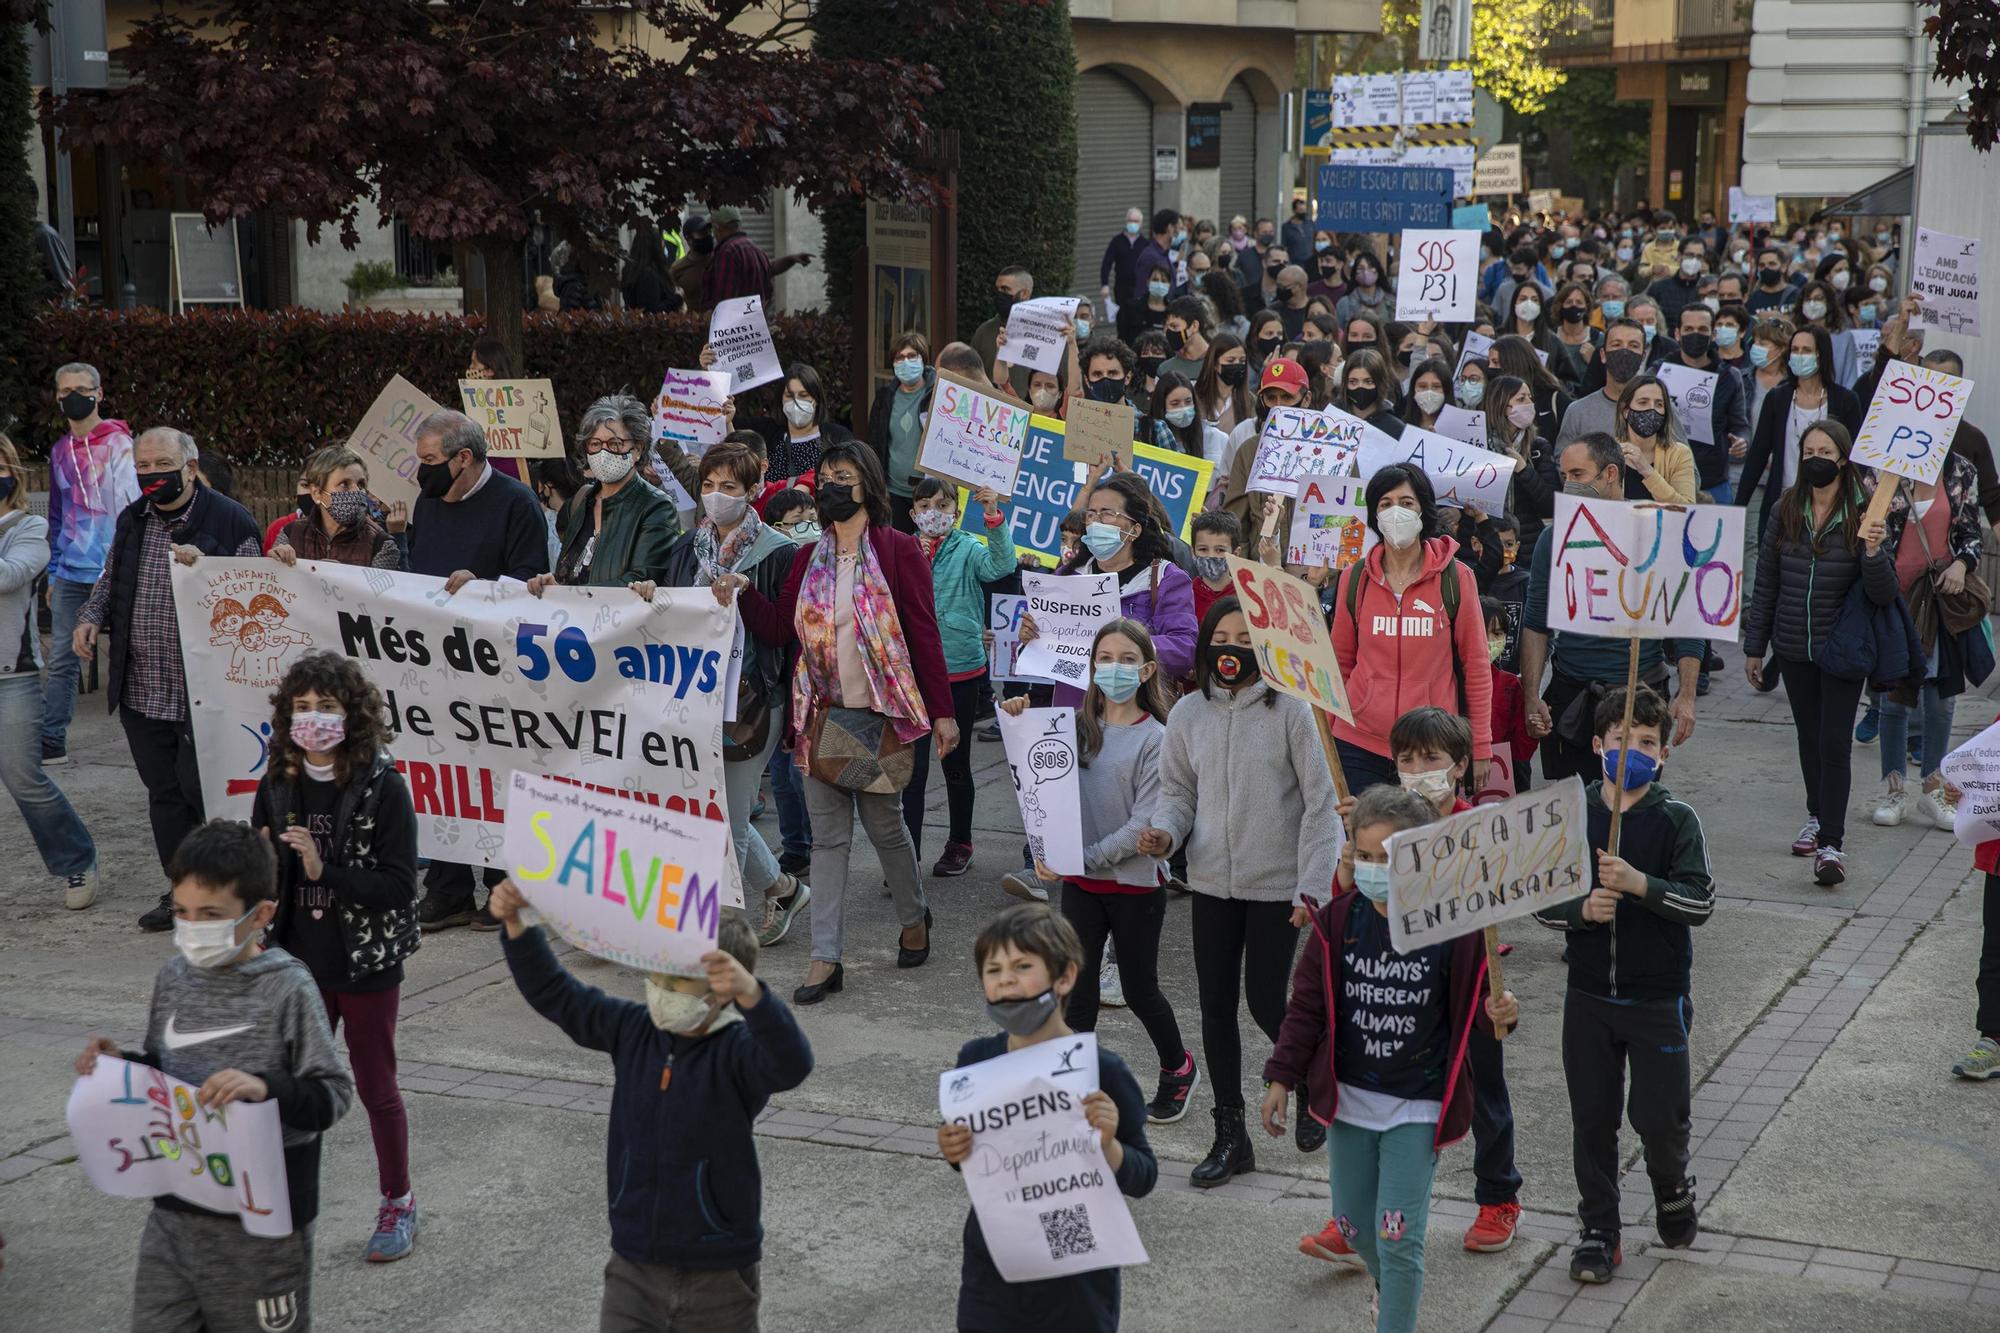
point(1804, 365)
point(1118, 681)
point(1321, 247)
point(1471, 393)
point(1612, 308)
point(1180, 239)
point(1373, 881)
point(1180, 418)
point(1640, 768)
point(1158, 289)
point(909, 370)
point(1726, 335)
point(1103, 539)
point(1760, 355)
point(1131, 229)
point(1082, 329)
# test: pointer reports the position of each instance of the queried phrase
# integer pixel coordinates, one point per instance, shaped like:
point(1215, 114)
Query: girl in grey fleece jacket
point(1244, 785)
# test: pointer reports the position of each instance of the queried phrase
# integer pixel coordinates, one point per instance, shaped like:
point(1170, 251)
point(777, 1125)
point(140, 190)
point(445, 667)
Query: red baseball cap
point(1284, 373)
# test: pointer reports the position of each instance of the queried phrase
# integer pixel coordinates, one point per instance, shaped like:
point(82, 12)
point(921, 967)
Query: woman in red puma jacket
point(1403, 640)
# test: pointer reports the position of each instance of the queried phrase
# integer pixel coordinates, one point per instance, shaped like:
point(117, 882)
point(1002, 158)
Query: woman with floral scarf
point(858, 603)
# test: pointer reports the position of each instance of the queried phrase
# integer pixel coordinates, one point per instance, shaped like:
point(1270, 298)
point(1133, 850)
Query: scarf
point(885, 658)
point(713, 559)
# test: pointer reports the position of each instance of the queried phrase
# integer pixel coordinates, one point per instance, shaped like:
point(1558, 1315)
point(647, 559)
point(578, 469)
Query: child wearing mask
point(695, 1063)
point(1510, 715)
point(1217, 536)
point(1390, 1106)
point(1119, 731)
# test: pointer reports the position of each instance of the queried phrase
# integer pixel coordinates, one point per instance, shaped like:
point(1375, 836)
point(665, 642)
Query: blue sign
point(1377, 199)
point(1318, 132)
point(1471, 217)
point(1046, 489)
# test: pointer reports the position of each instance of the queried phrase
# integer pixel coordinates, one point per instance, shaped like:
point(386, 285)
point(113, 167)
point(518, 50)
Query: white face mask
point(1043, 399)
point(210, 944)
point(610, 468)
point(1434, 785)
point(725, 511)
point(1429, 401)
point(688, 1015)
point(799, 411)
point(1528, 311)
point(1399, 527)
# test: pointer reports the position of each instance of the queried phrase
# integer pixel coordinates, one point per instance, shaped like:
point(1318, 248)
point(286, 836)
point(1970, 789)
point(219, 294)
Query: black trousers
point(1599, 1039)
point(1823, 715)
point(455, 883)
point(1495, 1177)
point(957, 765)
point(1242, 952)
point(1364, 768)
point(1989, 963)
point(1132, 921)
point(163, 752)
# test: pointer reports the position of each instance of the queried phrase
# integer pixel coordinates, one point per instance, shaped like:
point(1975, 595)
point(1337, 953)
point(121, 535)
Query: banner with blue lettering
point(1046, 489)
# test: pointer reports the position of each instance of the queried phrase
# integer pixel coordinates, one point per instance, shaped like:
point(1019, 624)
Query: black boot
point(1231, 1155)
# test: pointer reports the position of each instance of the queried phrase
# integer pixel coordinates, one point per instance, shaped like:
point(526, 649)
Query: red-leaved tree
point(469, 119)
point(1967, 33)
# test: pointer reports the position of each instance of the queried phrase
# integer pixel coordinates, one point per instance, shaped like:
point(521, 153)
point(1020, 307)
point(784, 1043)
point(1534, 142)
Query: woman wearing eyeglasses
point(619, 527)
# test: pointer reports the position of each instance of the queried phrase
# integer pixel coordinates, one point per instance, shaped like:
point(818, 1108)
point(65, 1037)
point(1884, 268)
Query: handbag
point(858, 750)
point(746, 737)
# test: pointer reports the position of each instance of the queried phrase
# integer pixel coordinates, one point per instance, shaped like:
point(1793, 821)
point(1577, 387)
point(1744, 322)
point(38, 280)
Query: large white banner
point(1047, 1200)
point(1624, 570)
point(139, 1133)
point(589, 684)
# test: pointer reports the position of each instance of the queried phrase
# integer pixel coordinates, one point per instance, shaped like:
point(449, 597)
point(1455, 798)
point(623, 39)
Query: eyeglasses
point(1104, 515)
point(610, 445)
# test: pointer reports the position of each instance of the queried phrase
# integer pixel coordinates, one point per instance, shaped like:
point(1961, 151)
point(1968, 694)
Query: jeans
point(59, 835)
point(957, 765)
point(1380, 1183)
point(1242, 952)
point(1364, 768)
point(760, 868)
point(1895, 738)
point(794, 824)
point(163, 752)
point(371, 1048)
point(1723, 492)
point(65, 668)
point(1132, 922)
point(833, 810)
point(1823, 714)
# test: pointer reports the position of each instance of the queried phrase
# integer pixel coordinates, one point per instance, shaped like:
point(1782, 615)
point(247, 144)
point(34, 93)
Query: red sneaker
point(1493, 1230)
point(1330, 1244)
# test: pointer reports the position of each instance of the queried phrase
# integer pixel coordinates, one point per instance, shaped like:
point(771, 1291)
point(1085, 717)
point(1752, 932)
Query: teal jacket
point(960, 569)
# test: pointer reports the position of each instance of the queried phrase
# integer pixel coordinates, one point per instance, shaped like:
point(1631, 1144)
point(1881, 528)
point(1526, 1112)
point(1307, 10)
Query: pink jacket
point(1398, 657)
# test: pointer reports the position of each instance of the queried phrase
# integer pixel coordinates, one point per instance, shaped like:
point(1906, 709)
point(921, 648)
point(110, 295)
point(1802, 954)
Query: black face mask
point(1574, 314)
point(703, 245)
point(1105, 390)
point(1176, 340)
point(836, 503)
point(1231, 665)
point(1265, 346)
point(1149, 366)
point(1818, 472)
point(1003, 303)
point(163, 488)
point(1770, 277)
point(1696, 345)
point(307, 507)
point(1329, 272)
point(1622, 364)
point(76, 406)
point(1363, 396)
point(1234, 373)
point(434, 479)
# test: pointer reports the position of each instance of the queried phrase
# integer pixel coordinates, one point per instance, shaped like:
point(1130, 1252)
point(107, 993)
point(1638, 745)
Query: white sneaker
point(1937, 807)
point(1109, 992)
point(1889, 811)
point(80, 891)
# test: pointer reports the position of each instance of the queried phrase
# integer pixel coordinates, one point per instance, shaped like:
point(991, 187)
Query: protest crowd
point(1403, 586)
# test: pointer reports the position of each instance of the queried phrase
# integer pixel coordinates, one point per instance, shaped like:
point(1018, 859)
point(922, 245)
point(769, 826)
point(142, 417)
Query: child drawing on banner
point(225, 622)
point(265, 640)
point(1033, 817)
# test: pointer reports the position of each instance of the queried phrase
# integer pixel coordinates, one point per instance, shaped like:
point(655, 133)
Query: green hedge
point(269, 386)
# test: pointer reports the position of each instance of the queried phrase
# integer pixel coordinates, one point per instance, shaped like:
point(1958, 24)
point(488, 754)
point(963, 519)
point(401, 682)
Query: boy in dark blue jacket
point(1631, 965)
point(695, 1064)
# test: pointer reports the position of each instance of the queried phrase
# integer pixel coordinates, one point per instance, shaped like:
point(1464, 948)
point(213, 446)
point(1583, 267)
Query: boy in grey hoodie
point(242, 1023)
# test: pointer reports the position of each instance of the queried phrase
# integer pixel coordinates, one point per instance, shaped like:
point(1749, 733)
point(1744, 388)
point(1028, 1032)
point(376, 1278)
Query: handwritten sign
point(689, 410)
point(973, 438)
point(637, 884)
point(1068, 609)
point(1460, 473)
point(139, 1133)
point(1003, 618)
point(1440, 275)
point(1041, 754)
point(1626, 570)
point(1467, 426)
point(1489, 864)
point(742, 342)
point(1329, 523)
point(1974, 768)
point(518, 416)
point(1498, 171)
point(1038, 332)
point(1693, 394)
point(1944, 277)
point(1911, 420)
point(1047, 1201)
point(387, 438)
point(1098, 431)
point(1294, 648)
point(1744, 207)
point(1297, 441)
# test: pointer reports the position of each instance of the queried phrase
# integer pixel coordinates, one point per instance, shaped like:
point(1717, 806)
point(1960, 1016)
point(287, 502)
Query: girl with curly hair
point(339, 817)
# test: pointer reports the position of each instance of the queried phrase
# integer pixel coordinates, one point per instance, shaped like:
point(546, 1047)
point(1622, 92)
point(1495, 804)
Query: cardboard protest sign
point(1041, 754)
point(1096, 431)
point(1038, 333)
point(1294, 647)
point(139, 1133)
point(1498, 170)
point(1910, 421)
point(1068, 610)
point(586, 683)
point(1944, 277)
point(518, 416)
point(742, 342)
point(1460, 473)
point(1693, 395)
point(1329, 523)
point(1297, 440)
point(1486, 865)
point(1046, 489)
point(1440, 275)
point(1047, 1201)
point(1974, 768)
point(689, 410)
point(637, 884)
point(972, 437)
point(1624, 570)
point(1465, 426)
point(387, 438)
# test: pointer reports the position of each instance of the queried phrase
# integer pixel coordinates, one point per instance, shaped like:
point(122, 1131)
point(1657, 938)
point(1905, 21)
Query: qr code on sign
point(1067, 1230)
point(1067, 667)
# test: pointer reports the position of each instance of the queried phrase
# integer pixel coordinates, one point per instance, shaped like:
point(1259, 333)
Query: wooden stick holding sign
point(1624, 749)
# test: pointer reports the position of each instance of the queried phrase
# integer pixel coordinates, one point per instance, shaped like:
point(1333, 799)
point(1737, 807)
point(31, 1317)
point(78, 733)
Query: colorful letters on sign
point(1622, 570)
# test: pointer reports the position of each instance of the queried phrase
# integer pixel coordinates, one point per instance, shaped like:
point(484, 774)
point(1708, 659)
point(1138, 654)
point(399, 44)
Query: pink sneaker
point(1808, 840)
